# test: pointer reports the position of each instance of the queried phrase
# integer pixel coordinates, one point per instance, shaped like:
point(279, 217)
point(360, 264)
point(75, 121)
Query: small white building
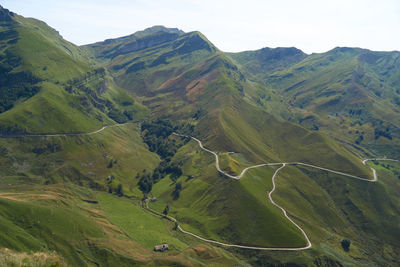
point(161, 247)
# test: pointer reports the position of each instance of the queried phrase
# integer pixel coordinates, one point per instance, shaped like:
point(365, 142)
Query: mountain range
point(89, 156)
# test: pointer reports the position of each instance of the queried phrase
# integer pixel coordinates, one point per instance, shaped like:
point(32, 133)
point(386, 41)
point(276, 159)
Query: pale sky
point(310, 25)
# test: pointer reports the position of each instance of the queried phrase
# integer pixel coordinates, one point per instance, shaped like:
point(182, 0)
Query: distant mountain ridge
point(149, 37)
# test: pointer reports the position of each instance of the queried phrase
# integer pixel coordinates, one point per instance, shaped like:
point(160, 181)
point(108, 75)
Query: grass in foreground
point(22, 259)
point(140, 225)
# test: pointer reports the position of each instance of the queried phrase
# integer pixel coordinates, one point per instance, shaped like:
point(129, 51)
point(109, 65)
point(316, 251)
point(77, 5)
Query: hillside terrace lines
point(309, 244)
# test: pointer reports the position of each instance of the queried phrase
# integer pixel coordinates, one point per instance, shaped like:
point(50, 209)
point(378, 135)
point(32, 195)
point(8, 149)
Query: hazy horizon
point(311, 26)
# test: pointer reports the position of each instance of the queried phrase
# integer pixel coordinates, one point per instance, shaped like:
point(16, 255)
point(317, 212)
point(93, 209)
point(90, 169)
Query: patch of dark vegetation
point(111, 163)
point(156, 135)
point(294, 86)
point(166, 210)
point(47, 148)
point(345, 244)
point(145, 183)
point(199, 114)
point(177, 191)
point(5, 16)
point(136, 67)
point(359, 139)
point(385, 133)
point(119, 191)
point(10, 130)
point(90, 201)
point(117, 115)
point(14, 86)
point(355, 112)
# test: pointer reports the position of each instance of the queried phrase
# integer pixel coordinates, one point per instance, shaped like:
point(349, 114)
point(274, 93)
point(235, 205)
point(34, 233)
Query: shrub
point(177, 191)
point(345, 244)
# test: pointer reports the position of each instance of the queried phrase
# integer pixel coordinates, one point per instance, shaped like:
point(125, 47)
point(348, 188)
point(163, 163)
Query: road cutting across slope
point(284, 164)
point(238, 177)
point(62, 134)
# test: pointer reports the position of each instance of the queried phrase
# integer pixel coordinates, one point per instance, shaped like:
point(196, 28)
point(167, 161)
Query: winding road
point(284, 164)
point(238, 177)
point(62, 134)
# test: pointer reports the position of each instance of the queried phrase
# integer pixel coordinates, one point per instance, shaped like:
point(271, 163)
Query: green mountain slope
point(265, 60)
point(213, 95)
point(349, 93)
point(69, 94)
point(50, 85)
point(205, 88)
point(271, 105)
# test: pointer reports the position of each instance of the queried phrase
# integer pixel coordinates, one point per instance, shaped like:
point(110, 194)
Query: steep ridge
point(49, 83)
point(156, 35)
point(188, 78)
point(267, 60)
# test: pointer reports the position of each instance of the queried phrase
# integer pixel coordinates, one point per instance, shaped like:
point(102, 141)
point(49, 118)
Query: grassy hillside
point(329, 207)
point(12, 258)
point(205, 88)
point(67, 219)
point(81, 196)
point(222, 209)
point(349, 93)
point(50, 85)
point(215, 97)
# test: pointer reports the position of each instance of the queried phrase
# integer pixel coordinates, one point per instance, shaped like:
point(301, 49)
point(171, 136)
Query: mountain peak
point(152, 36)
point(146, 32)
point(159, 28)
point(5, 14)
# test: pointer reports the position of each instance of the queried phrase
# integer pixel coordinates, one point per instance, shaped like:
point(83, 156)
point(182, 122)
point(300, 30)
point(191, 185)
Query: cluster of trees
point(345, 244)
point(111, 163)
point(119, 190)
point(14, 86)
point(145, 183)
point(355, 112)
point(359, 139)
point(156, 135)
point(177, 191)
point(384, 133)
point(117, 115)
point(11, 129)
point(396, 100)
point(146, 180)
